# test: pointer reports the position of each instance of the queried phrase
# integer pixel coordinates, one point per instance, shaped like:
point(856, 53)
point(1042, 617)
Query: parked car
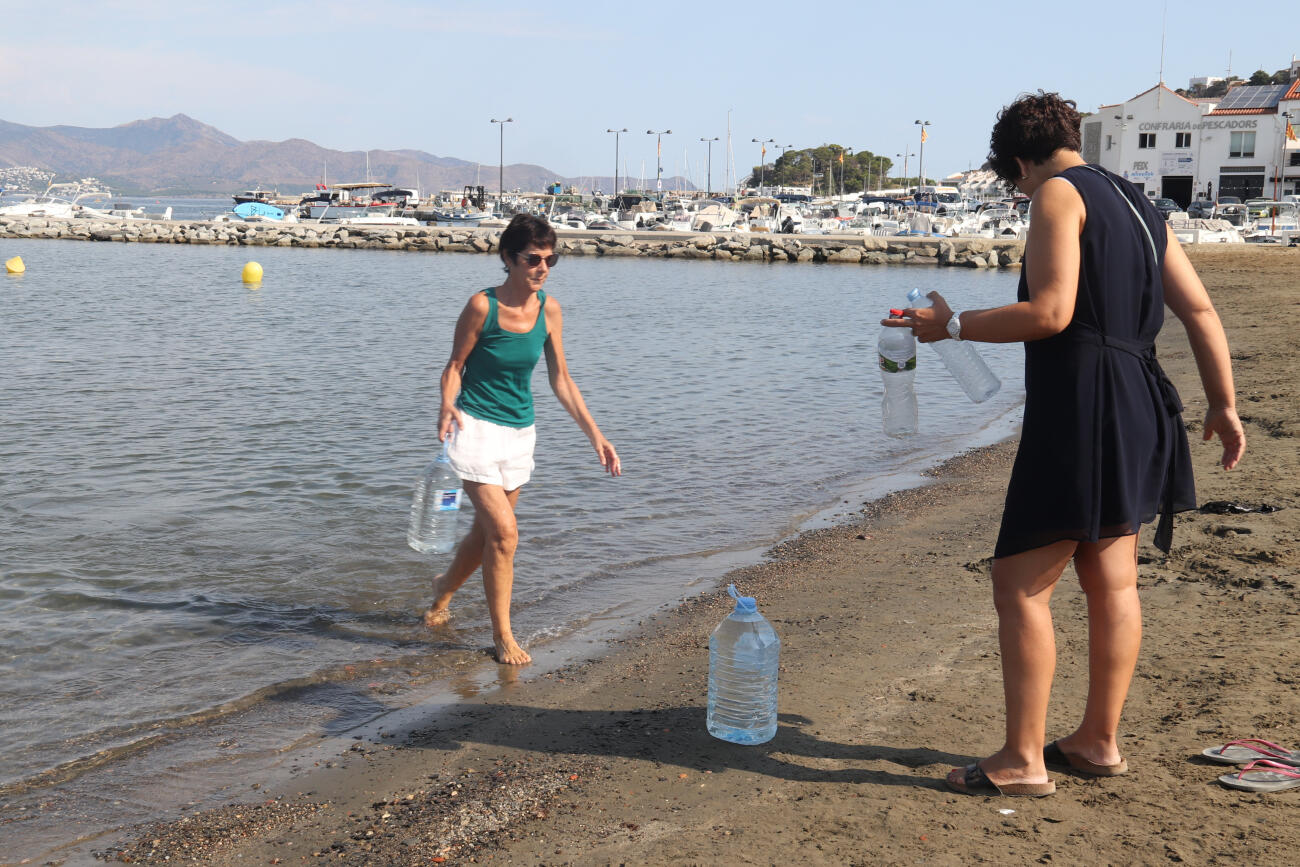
point(1200, 209)
point(1166, 206)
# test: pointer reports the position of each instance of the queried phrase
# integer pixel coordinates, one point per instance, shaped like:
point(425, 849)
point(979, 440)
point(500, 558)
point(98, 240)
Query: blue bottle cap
point(913, 296)
point(744, 604)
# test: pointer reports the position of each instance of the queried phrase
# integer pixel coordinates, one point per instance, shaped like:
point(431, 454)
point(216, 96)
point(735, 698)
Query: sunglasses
point(532, 260)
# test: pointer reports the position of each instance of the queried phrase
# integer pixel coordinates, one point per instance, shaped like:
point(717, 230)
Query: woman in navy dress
point(1103, 449)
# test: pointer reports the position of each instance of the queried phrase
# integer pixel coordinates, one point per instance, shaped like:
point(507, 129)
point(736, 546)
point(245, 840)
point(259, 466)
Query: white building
point(1180, 148)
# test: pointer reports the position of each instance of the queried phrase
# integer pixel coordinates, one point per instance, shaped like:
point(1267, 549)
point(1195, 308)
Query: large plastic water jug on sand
point(744, 654)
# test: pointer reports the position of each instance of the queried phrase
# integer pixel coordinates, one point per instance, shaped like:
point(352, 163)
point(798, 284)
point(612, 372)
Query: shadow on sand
point(676, 736)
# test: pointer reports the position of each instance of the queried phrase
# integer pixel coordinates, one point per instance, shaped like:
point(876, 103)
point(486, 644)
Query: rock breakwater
point(737, 246)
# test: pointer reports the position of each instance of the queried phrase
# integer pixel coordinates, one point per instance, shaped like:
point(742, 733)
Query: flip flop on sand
point(1248, 750)
point(975, 782)
point(1057, 757)
point(1263, 775)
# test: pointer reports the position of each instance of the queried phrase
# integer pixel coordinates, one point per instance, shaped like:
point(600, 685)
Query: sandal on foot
point(1263, 775)
point(1057, 757)
point(975, 782)
point(1250, 749)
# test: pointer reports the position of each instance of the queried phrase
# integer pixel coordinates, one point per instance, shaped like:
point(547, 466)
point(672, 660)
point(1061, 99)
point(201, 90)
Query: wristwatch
point(954, 327)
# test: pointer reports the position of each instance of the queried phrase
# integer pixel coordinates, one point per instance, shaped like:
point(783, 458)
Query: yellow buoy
point(15, 265)
point(252, 273)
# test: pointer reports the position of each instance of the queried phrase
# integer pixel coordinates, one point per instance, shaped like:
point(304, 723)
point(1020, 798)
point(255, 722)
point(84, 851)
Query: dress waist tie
point(1146, 353)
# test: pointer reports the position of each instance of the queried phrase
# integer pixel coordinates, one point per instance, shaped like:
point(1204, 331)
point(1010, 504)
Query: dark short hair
point(1033, 128)
point(525, 229)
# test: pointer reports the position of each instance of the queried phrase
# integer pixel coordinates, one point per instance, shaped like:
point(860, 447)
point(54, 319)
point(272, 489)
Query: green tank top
point(497, 383)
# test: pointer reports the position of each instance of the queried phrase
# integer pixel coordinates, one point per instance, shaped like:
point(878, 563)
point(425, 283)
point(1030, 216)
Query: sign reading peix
point(1237, 123)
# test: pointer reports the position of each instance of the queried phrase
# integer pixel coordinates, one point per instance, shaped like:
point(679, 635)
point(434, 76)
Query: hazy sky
point(393, 74)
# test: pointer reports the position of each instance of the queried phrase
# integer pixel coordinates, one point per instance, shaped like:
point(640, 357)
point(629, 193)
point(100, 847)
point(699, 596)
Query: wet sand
point(890, 676)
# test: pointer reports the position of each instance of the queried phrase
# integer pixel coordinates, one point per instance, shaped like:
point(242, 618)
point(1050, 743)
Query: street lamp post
point(708, 183)
point(762, 160)
point(921, 169)
point(844, 152)
point(1277, 174)
point(784, 169)
point(501, 164)
point(659, 151)
point(905, 155)
point(616, 133)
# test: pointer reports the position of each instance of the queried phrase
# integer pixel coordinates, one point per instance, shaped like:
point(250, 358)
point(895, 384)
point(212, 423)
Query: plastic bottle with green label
point(897, 351)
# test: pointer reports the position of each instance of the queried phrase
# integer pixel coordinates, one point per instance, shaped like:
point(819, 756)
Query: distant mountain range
point(180, 156)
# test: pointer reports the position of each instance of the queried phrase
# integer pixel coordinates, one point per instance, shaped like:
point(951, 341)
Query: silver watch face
point(954, 327)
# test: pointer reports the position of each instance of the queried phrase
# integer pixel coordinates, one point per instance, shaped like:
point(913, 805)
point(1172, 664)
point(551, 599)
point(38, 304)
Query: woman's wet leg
point(496, 517)
point(468, 557)
point(1108, 575)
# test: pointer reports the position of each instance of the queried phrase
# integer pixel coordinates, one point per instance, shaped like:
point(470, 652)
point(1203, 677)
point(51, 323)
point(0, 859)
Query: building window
point(1110, 140)
point(1295, 158)
point(1241, 144)
point(1146, 140)
point(1182, 139)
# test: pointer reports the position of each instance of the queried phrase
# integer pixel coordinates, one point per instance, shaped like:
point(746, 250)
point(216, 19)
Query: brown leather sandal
point(1059, 758)
point(976, 782)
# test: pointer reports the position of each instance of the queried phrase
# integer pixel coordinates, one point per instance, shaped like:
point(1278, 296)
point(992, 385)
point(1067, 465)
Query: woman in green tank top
point(487, 409)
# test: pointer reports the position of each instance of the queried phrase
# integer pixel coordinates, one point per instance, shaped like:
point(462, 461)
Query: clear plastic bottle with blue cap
point(744, 655)
point(435, 509)
point(961, 359)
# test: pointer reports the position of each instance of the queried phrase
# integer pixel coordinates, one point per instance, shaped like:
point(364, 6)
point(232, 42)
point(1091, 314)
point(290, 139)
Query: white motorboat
point(1276, 223)
point(50, 204)
point(713, 216)
point(1205, 231)
point(459, 215)
point(355, 200)
point(389, 219)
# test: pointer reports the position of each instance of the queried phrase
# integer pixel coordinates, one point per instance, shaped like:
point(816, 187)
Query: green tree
point(1259, 76)
point(821, 169)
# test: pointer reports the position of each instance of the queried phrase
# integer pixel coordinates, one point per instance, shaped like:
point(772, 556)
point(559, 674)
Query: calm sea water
point(205, 491)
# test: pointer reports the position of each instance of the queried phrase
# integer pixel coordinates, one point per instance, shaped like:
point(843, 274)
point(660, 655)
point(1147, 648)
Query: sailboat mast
point(727, 182)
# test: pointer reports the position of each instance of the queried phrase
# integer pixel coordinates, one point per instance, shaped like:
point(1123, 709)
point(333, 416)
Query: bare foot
point(440, 611)
point(509, 652)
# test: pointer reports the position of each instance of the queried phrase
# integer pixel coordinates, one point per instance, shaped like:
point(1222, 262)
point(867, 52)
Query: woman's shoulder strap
point(490, 322)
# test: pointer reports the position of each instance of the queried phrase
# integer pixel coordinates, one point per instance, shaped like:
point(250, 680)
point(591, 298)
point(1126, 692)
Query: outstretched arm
point(566, 390)
point(1186, 296)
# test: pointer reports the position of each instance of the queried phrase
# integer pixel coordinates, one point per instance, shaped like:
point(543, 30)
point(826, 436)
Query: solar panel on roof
point(1257, 96)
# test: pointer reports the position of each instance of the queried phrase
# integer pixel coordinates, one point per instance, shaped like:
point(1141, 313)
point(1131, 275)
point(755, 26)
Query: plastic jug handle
point(446, 444)
point(747, 604)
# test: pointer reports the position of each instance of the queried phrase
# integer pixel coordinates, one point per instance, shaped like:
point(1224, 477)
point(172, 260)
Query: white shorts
point(492, 454)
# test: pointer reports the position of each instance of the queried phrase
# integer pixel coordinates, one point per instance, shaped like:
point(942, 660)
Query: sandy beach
point(890, 676)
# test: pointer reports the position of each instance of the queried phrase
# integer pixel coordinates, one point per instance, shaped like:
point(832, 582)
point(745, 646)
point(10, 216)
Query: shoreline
point(881, 692)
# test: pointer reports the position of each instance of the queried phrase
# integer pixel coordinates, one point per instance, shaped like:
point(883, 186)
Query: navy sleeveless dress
point(1103, 449)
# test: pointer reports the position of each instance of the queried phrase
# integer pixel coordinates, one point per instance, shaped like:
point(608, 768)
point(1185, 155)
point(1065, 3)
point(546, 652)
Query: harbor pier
point(731, 246)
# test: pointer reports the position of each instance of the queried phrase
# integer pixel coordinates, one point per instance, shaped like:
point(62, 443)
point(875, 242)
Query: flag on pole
point(841, 157)
point(923, 135)
point(1290, 132)
point(764, 148)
